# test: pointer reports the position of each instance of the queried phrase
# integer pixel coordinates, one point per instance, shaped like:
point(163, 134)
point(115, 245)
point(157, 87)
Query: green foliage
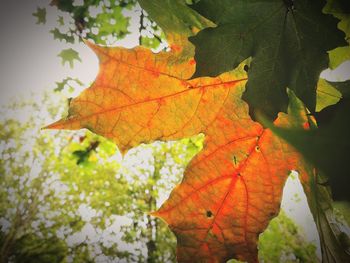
point(341, 10)
point(343, 87)
point(69, 55)
point(95, 20)
point(332, 228)
point(343, 211)
point(177, 20)
point(40, 14)
point(67, 83)
point(282, 241)
point(287, 40)
point(70, 194)
point(109, 24)
point(30, 248)
point(327, 146)
point(69, 38)
point(182, 21)
point(327, 94)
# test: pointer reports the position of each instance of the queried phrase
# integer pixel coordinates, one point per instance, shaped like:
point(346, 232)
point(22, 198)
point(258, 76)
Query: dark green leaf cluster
point(287, 41)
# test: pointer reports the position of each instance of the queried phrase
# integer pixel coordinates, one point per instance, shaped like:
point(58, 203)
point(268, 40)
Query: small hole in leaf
point(246, 68)
point(235, 162)
point(257, 148)
point(209, 214)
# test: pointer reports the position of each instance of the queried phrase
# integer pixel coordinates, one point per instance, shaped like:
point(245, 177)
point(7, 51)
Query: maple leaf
point(327, 94)
point(40, 14)
point(69, 55)
point(57, 34)
point(233, 188)
point(67, 82)
point(177, 26)
point(287, 40)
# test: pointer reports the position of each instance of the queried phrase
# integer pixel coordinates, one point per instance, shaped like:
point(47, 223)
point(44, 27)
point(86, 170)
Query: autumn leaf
point(287, 40)
point(149, 97)
point(233, 188)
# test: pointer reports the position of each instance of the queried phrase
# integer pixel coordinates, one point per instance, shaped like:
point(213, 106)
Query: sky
point(28, 54)
point(29, 64)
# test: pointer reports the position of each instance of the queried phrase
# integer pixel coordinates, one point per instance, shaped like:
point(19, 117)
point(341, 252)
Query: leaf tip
point(57, 125)
point(155, 214)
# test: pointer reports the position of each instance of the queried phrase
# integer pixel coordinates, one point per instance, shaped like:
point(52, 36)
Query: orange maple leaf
point(233, 187)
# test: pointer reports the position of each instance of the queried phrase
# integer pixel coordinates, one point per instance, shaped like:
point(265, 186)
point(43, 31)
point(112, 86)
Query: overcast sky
point(28, 53)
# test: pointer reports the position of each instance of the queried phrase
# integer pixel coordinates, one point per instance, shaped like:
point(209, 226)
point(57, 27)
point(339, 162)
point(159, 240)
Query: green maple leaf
point(341, 10)
point(57, 34)
point(181, 22)
point(40, 14)
point(327, 95)
point(287, 40)
point(177, 20)
point(69, 55)
point(60, 20)
point(60, 85)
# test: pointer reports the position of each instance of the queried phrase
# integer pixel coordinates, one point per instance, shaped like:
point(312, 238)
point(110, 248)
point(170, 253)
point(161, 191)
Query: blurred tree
point(283, 242)
point(97, 20)
point(71, 195)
